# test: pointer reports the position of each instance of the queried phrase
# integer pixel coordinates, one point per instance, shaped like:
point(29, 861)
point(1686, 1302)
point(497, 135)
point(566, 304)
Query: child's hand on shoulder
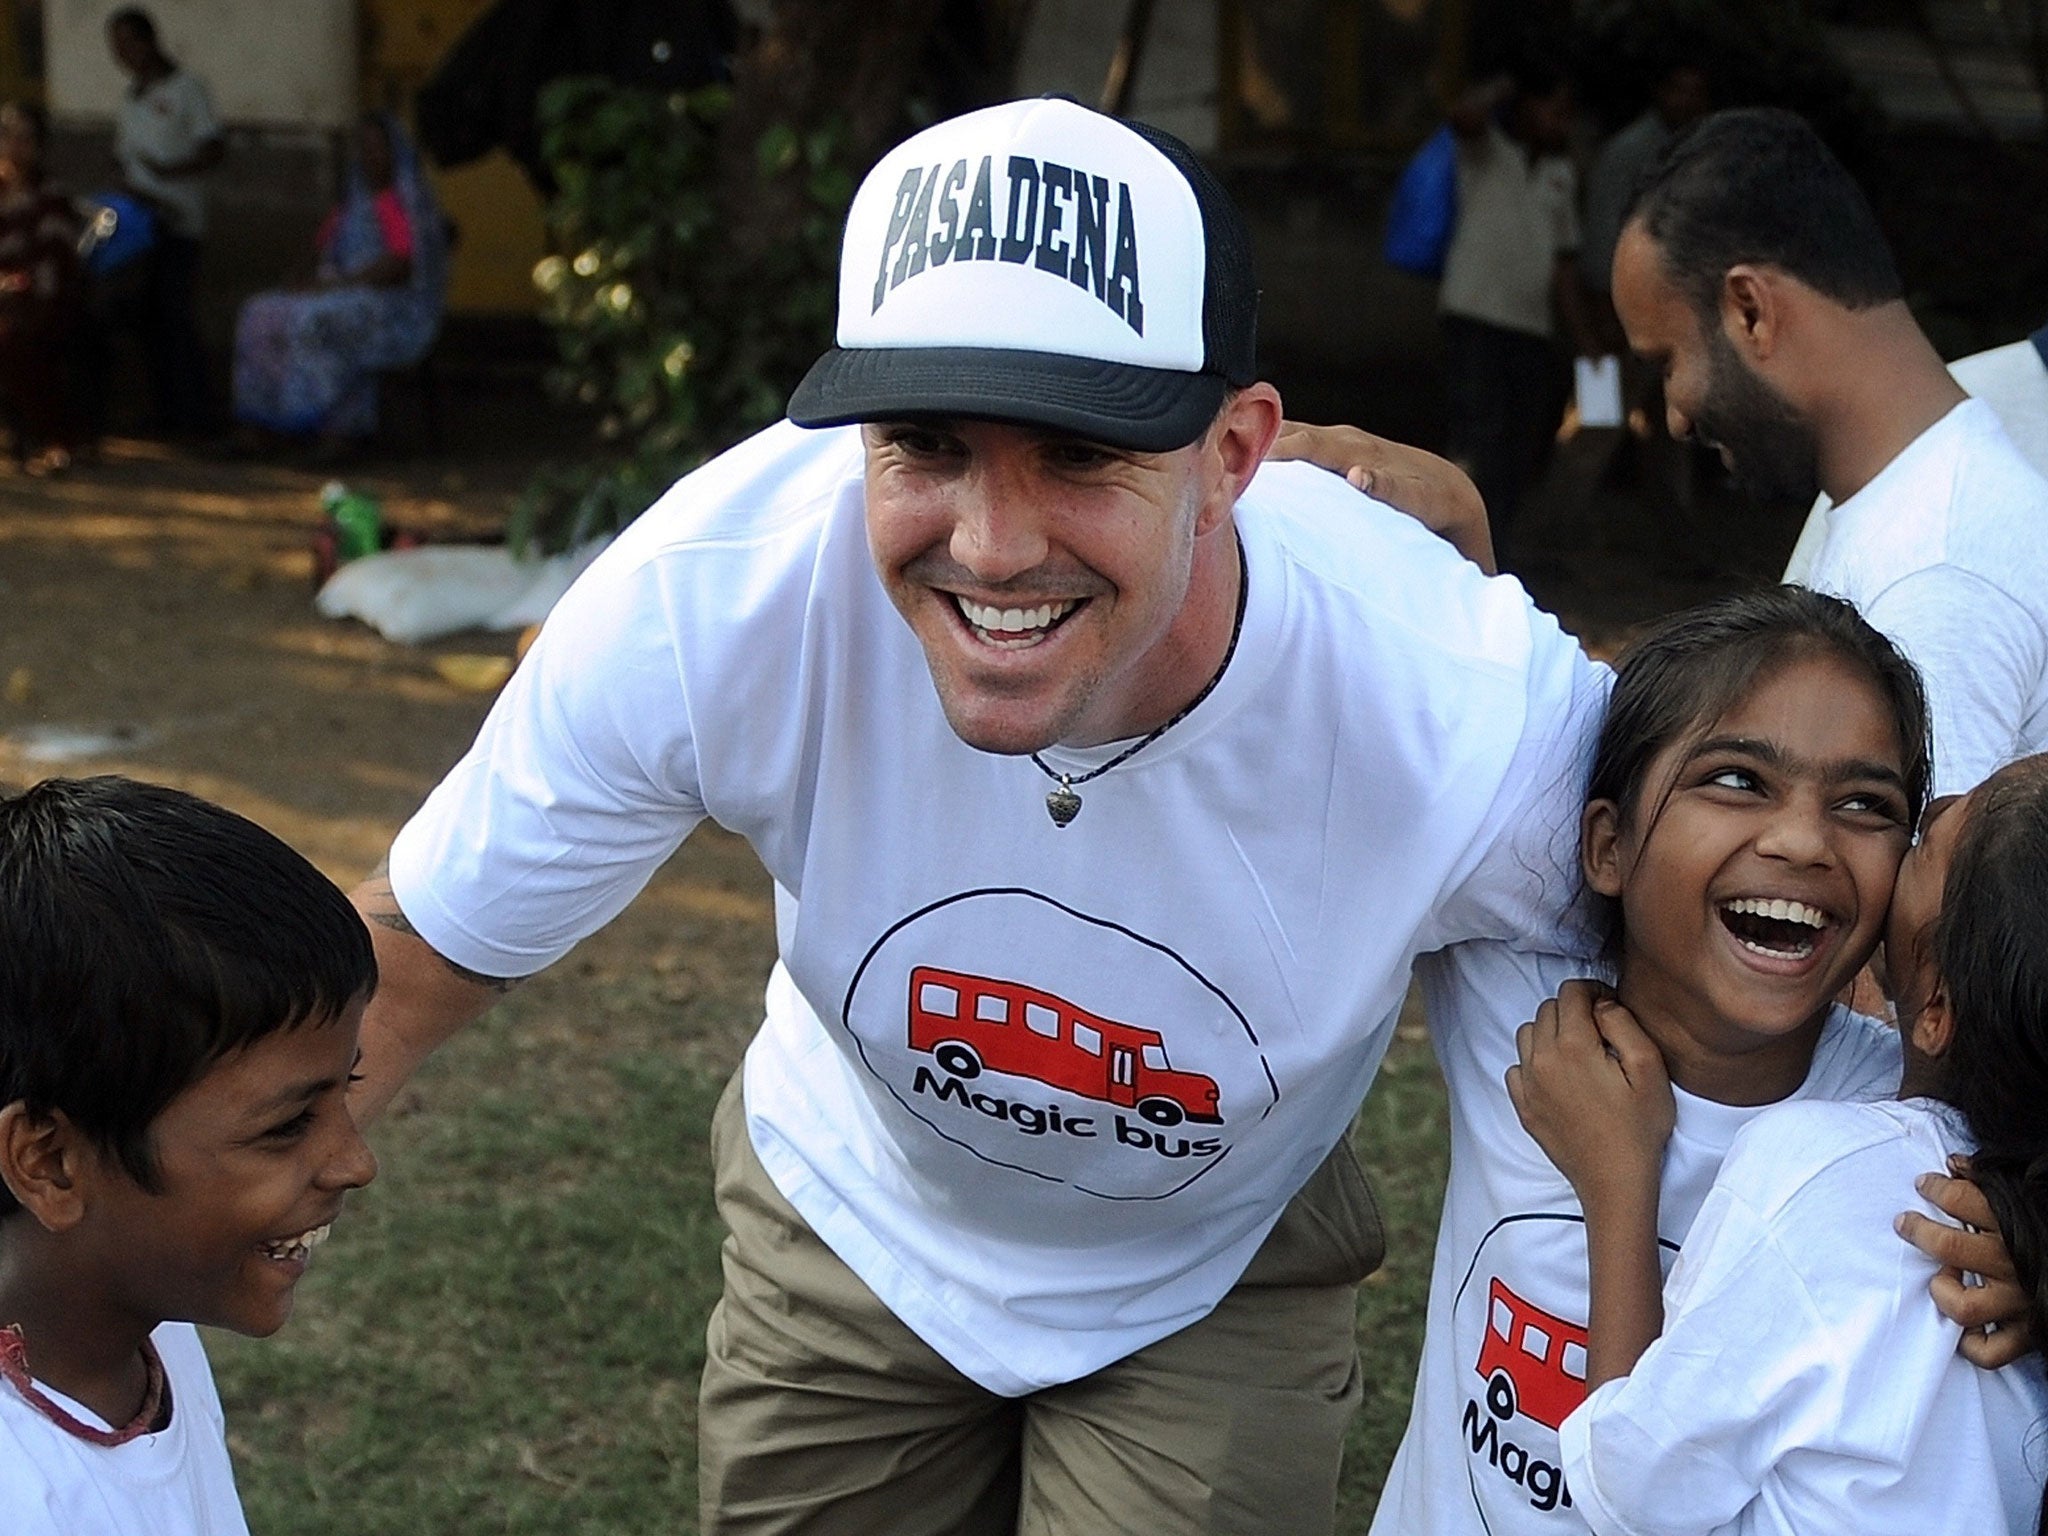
point(1591, 1088)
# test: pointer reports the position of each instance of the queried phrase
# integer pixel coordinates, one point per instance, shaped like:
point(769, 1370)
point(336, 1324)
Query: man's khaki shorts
point(823, 1415)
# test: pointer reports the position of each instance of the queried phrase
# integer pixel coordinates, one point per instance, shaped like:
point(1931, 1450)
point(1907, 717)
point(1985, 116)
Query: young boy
point(179, 998)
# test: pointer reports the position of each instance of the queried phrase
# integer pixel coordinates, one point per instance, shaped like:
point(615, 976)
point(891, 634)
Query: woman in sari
point(307, 360)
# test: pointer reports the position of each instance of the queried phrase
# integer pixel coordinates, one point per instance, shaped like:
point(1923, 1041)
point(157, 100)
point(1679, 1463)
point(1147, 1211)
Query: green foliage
point(679, 343)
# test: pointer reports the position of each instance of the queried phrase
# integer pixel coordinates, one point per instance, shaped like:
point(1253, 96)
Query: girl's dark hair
point(1991, 942)
point(148, 934)
point(1675, 681)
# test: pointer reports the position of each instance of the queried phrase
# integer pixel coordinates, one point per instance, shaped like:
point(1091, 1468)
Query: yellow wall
point(494, 208)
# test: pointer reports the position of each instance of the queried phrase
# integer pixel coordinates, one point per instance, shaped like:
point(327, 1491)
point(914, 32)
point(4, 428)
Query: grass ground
point(505, 1333)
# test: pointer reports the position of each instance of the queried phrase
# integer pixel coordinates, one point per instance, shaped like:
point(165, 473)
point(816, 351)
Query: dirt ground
point(156, 620)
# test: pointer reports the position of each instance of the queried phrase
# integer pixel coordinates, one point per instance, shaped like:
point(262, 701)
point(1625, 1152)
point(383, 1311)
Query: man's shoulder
point(1996, 512)
point(1962, 496)
point(783, 483)
point(756, 534)
point(1376, 577)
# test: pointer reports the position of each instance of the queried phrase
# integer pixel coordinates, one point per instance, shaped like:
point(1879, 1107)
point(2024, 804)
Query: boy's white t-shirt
point(1503, 1352)
point(174, 1483)
point(1805, 1381)
point(1946, 552)
point(1044, 1089)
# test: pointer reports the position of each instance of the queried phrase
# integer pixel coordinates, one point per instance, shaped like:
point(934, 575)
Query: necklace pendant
point(1061, 803)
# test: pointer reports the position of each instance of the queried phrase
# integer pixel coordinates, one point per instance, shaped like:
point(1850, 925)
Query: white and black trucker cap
point(1040, 263)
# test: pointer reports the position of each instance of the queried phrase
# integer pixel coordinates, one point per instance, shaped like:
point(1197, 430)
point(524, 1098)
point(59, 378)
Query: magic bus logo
point(1524, 1366)
point(1059, 1044)
point(972, 1024)
point(1519, 1333)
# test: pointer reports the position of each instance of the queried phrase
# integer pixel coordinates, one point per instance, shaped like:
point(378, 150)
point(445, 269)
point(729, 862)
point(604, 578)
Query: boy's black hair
point(148, 933)
point(1758, 185)
point(1679, 678)
point(1991, 943)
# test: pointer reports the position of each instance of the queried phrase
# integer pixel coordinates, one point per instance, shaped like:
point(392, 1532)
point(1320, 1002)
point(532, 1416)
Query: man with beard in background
point(1752, 273)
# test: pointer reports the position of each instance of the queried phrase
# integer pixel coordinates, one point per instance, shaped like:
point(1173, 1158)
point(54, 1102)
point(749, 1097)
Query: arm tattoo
point(386, 914)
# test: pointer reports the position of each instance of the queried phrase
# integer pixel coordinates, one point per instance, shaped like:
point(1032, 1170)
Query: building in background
point(288, 78)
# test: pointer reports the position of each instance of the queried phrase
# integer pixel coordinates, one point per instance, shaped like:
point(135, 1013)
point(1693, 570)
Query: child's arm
point(1590, 1087)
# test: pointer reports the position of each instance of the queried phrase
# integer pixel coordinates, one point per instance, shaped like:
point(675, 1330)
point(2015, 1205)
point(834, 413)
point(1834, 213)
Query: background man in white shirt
point(1753, 273)
point(166, 138)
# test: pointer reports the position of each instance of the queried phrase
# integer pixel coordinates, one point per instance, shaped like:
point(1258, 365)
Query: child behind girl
point(1803, 1380)
point(1750, 799)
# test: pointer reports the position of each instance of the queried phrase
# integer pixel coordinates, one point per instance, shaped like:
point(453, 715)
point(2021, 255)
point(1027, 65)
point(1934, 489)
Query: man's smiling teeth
point(1013, 621)
point(1780, 911)
point(297, 1247)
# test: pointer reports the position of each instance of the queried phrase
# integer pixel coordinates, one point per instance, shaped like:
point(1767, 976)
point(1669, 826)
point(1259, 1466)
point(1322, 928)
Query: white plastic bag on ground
point(411, 595)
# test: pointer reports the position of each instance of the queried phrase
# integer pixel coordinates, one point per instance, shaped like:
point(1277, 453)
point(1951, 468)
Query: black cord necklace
point(1062, 804)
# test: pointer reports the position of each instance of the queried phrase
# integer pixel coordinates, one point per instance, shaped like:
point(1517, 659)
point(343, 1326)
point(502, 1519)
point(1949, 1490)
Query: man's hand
point(1432, 490)
point(1994, 1315)
point(1591, 1088)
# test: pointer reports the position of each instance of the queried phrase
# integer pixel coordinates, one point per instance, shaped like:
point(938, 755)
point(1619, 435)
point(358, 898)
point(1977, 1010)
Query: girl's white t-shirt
point(1805, 1381)
point(1044, 1089)
point(177, 1482)
point(1504, 1350)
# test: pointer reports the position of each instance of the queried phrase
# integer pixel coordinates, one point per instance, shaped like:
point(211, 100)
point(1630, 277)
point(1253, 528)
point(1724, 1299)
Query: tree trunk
point(816, 61)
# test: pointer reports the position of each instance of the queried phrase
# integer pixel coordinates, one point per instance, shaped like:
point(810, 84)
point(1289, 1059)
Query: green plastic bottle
point(358, 520)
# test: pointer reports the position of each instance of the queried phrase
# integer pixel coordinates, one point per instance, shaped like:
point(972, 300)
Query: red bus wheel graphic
point(1161, 1111)
point(958, 1058)
point(1500, 1395)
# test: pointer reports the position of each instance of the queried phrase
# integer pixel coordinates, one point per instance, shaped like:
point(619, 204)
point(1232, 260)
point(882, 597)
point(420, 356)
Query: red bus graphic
point(1533, 1363)
point(972, 1024)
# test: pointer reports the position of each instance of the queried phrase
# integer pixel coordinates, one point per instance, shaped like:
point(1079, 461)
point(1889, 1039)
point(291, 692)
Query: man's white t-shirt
point(1044, 1089)
point(2013, 381)
point(177, 1482)
point(1504, 1349)
point(1946, 552)
point(166, 123)
point(1804, 1381)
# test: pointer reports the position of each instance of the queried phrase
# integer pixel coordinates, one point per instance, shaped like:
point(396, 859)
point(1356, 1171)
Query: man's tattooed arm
point(422, 998)
point(377, 904)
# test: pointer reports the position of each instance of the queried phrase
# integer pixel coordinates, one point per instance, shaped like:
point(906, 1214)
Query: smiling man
point(1753, 274)
point(1108, 793)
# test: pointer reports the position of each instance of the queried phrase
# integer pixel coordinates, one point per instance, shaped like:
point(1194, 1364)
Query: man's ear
point(1934, 1026)
point(1600, 847)
point(1752, 311)
point(43, 1164)
point(1239, 439)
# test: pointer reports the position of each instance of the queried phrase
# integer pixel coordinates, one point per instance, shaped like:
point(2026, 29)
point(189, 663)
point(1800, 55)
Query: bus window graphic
point(1534, 1363)
point(972, 1024)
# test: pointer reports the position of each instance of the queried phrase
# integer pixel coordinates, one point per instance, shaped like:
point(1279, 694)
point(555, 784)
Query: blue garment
point(308, 362)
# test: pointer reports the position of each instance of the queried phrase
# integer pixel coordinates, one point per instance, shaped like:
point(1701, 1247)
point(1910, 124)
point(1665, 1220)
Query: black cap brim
point(1149, 410)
